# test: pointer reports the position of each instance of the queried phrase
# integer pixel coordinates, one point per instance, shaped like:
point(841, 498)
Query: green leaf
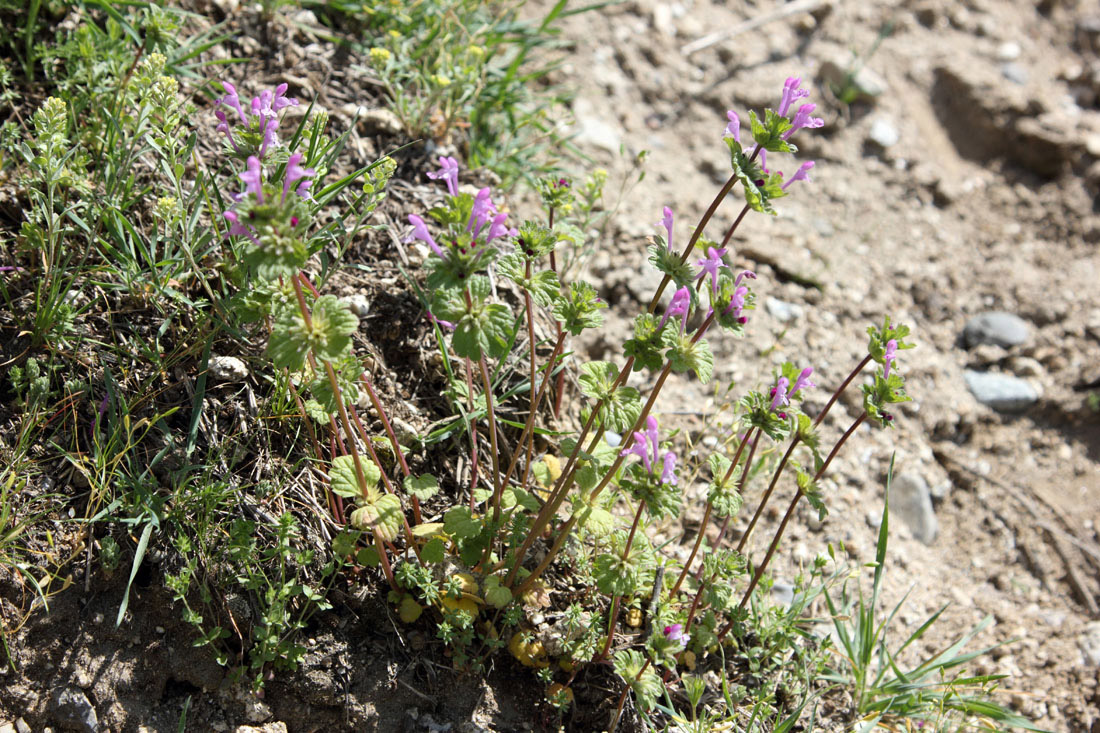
point(422, 487)
point(333, 325)
point(620, 408)
point(769, 133)
point(344, 481)
point(433, 551)
point(460, 523)
point(580, 308)
point(545, 287)
point(496, 595)
point(647, 346)
point(696, 357)
point(383, 516)
point(668, 262)
point(344, 543)
point(289, 342)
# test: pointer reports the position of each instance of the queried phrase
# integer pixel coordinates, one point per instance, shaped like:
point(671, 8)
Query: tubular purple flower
point(638, 448)
point(651, 435)
point(737, 302)
point(666, 222)
point(497, 228)
point(802, 382)
point(668, 469)
point(742, 275)
point(710, 265)
point(764, 162)
point(889, 357)
point(295, 172)
point(479, 214)
point(678, 306)
point(420, 231)
point(675, 633)
point(223, 126)
point(271, 129)
point(733, 127)
point(231, 100)
point(802, 174)
point(779, 394)
point(448, 171)
point(281, 101)
point(802, 119)
point(253, 178)
point(791, 94)
point(238, 229)
point(444, 324)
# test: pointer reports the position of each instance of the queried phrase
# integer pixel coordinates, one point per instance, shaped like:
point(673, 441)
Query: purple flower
point(791, 94)
point(737, 300)
point(231, 100)
point(271, 129)
point(445, 324)
point(675, 633)
point(802, 119)
point(497, 228)
point(479, 213)
point(678, 306)
point(733, 128)
point(236, 228)
point(710, 265)
point(890, 357)
point(253, 178)
point(779, 394)
point(803, 381)
point(666, 222)
point(420, 231)
point(295, 172)
point(802, 174)
point(282, 101)
point(668, 472)
point(647, 447)
point(448, 171)
point(638, 448)
point(742, 275)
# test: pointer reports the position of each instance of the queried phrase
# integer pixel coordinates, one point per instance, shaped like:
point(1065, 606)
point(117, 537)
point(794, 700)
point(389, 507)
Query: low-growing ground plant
point(239, 245)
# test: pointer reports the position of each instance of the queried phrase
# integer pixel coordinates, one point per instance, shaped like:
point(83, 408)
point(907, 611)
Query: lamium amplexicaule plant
point(540, 501)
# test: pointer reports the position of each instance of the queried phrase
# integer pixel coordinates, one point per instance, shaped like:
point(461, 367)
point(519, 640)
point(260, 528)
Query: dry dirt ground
point(962, 180)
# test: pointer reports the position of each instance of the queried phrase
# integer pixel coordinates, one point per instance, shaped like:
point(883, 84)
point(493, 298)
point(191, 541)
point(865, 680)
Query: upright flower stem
point(768, 493)
point(397, 449)
point(622, 697)
point(527, 437)
point(493, 454)
point(726, 188)
point(615, 603)
point(740, 488)
point(759, 573)
point(472, 421)
point(841, 388)
point(706, 519)
point(560, 386)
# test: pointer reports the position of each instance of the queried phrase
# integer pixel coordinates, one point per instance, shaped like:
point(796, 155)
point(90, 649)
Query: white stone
point(228, 369)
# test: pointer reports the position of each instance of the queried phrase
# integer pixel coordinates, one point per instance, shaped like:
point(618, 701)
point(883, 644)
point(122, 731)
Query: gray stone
point(21, 726)
point(228, 369)
point(358, 304)
point(911, 500)
point(996, 327)
point(781, 310)
point(71, 708)
point(1002, 392)
point(884, 133)
point(1014, 72)
point(783, 593)
point(1089, 642)
point(379, 121)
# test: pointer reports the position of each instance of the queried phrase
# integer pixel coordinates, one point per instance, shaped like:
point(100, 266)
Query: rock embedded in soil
point(1002, 392)
point(884, 133)
point(71, 708)
point(781, 310)
point(997, 328)
point(228, 369)
point(1089, 643)
point(358, 303)
point(911, 500)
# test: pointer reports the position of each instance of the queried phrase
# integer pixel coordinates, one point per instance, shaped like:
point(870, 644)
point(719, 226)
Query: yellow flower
point(379, 56)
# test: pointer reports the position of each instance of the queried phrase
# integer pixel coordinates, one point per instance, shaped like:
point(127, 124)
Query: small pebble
point(998, 328)
point(228, 369)
point(884, 133)
point(1008, 51)
point(1002, 392)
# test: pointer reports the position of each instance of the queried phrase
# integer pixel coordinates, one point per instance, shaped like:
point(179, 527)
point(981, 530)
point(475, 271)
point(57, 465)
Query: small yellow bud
point(379, 56)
